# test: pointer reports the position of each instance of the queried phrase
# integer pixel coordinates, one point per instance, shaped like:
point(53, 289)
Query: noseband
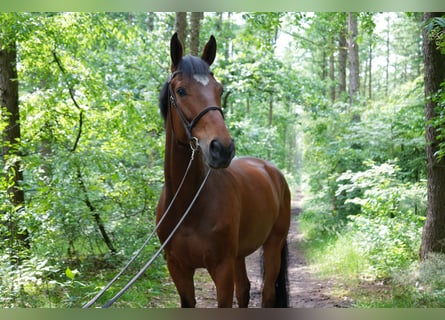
point(188, 125)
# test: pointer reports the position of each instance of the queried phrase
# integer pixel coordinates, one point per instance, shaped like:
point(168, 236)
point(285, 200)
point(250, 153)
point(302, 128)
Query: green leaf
point(71, 274)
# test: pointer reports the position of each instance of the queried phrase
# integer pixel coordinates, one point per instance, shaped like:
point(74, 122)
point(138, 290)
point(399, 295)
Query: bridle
point(188, 125)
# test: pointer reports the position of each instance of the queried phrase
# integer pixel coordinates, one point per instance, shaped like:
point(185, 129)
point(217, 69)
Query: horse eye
point(181, 92)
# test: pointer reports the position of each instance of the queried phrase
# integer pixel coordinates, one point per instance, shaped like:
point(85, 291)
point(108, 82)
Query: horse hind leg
point(242, 283)
point(275, 287)
point(275, 274)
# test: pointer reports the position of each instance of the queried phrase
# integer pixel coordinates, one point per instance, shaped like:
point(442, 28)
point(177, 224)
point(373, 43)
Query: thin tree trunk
point(247, 105)
point(270, 119)
point(181, 27)
point(151, 17)
point(387, 57)
point(433, 237)
point(370, 72)
point(195, 26)
point(332, 71)
point(342, 58)
point(354, 72)
point(324, 68)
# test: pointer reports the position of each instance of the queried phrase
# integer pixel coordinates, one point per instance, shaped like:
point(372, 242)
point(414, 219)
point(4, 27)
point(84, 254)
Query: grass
point(398, 280)
point(38, 283)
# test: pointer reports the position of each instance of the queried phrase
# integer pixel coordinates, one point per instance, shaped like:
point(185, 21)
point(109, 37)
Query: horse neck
point(177, 158)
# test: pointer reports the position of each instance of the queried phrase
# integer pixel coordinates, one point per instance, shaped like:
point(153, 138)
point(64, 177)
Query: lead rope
point(136, 277)
point(194, 145)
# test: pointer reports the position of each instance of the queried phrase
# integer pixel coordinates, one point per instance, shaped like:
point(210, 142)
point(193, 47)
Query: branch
point(225, 99)
point(94, 213)
point(71, 92)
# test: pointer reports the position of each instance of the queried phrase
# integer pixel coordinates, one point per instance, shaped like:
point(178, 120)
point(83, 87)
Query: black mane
point(188, 66)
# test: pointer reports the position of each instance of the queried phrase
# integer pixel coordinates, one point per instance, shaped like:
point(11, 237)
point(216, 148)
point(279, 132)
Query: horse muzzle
point(219, 155)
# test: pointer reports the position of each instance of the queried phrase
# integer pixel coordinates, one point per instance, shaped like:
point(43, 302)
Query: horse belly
point(252, 235)
point(260, 193)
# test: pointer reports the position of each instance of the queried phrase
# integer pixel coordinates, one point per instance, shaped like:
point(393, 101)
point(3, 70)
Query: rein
point(141, 272)
point(194, 145)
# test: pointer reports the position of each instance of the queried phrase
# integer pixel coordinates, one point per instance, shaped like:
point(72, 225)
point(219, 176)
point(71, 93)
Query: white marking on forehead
point(202, 79)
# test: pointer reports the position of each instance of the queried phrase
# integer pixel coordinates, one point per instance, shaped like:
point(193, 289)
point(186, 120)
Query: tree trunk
point(270, 119)
point(354, 72)
point(342, 58)
point(9, 104)
point(324, 68)
point(433, 237)
point(151, 17)
point(387, 57)
point(370, 72)
point(332, 71)
point(181, 27)
point(195, 26)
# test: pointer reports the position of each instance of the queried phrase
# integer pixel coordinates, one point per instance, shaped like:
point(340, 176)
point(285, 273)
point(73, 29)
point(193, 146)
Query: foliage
point(91, 146)
point(435, 28)
point(385, 234)
point(92, 142)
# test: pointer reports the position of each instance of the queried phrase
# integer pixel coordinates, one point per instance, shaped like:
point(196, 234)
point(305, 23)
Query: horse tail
point(282, 282)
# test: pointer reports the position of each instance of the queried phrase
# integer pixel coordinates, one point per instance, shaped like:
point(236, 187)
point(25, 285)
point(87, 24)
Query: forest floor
point(306, 290)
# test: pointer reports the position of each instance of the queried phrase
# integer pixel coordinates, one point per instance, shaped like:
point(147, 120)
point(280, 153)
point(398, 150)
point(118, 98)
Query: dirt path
point(305, 290)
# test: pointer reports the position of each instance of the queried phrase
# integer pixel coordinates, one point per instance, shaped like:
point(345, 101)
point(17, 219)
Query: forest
point(350, 106)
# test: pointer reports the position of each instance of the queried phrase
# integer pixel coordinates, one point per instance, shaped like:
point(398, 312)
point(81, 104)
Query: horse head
point(192, 98)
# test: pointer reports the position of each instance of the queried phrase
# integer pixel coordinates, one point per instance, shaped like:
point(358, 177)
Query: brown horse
point(244, 205)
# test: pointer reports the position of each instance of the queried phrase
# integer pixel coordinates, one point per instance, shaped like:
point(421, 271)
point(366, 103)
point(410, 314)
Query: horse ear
point(209, 52)
point(176, 51)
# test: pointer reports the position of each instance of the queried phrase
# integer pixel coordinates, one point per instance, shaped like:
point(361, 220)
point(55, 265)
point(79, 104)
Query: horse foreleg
point(183, 279)
point(223, 277)
point(242, 283)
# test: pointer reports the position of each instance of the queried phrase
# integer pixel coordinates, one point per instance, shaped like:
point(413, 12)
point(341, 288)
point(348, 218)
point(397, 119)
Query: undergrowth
point(40, 282)
point(374, 252)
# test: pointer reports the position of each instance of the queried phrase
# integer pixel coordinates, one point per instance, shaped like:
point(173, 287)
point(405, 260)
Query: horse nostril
point(216, 148)
point(222, 155)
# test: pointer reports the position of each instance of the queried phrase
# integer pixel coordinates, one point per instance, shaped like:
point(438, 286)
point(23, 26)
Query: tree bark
point(433, 236)
point(387, 56)
point(9, 103)
point(370, 72)
point(354, 72)
point(342, 58)
point(332, 71)
point(195, 26)
point(181, 27)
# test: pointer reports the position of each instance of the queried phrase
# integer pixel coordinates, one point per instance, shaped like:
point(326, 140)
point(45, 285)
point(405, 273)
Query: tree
point(354, 72)
point(189, 35)
point(181, 26)
point(9, 104)
point(342, 59)
point(195, 26)
point(433, 237)
point(387, 43)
